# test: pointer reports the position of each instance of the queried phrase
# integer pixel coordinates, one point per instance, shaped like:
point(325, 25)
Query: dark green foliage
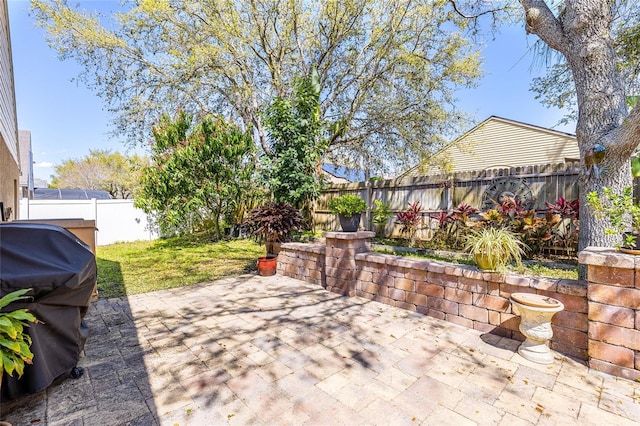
point(621, 211)
point(199, 174)
point(295, 131)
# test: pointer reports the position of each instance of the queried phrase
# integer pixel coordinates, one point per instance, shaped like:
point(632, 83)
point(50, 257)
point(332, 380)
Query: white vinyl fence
point(116, 220)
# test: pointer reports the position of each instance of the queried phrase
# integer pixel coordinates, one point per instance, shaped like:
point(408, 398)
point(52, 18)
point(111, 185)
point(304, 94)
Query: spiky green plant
point(498, 245)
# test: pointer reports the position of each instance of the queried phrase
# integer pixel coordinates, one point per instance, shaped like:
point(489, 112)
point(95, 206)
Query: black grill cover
point(61, 271)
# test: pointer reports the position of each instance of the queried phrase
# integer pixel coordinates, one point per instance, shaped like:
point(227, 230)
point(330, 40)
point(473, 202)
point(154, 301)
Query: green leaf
point(635, 167)
point(11, 345)
point(4, 321)
point(12, 330)
point(8, 363)
point(22, 315)
point(25, 351)
point(14, 296)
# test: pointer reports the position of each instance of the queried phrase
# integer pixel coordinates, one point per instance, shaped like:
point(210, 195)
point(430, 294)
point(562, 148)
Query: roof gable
point(500, 142)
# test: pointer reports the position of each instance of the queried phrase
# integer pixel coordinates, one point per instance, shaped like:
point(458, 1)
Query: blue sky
point(66, 119)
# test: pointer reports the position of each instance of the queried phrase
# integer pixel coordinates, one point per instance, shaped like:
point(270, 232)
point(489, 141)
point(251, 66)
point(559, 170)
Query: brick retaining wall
point(602, 327)
point(303, 262)
point(463, 295)
point(614, 311)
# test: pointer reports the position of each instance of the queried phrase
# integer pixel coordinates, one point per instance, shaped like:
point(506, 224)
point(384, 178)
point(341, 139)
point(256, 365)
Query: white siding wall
point(8, 122)
point(116, 220)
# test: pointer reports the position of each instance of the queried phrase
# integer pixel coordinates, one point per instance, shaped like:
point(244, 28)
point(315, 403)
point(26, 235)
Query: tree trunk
point(583, 36)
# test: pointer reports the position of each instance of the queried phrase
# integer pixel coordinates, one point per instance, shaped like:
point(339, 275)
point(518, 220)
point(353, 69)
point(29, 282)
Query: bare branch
point(541, 21)
point(626, 136)
point(476, 15)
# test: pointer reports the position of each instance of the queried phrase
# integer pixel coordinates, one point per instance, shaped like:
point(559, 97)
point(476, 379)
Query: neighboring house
point(9, 153)
point(40, 183)
point(499, 143)
point(342, 174)
point(26, 164)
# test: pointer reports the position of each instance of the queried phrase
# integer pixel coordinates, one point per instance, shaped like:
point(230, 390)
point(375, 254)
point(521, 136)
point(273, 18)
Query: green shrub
point(621, 211)
point(381, 213)
point(347, 205)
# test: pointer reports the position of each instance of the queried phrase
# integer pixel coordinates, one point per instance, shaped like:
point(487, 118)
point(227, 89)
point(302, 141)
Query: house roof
point(521, 123)
point(341, 172)
point(69, 194)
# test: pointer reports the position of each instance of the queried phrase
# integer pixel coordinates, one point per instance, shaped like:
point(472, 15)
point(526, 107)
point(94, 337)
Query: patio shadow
point(115, 387)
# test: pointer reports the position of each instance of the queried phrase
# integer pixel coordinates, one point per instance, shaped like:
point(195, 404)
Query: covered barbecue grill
point(61, 271)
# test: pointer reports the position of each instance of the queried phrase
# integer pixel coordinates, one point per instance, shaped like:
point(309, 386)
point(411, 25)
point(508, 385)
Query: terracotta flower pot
point(267, 265)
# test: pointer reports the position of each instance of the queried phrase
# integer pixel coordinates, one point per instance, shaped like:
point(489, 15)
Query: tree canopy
point(297, 142)
point(388, 69)
point(201, 174)
point(103, 170)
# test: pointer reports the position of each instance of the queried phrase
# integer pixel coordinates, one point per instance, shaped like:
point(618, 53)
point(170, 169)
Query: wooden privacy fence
point(535, 185)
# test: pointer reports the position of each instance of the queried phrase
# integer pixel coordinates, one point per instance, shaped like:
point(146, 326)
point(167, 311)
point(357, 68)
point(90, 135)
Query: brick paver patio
point(274, 350)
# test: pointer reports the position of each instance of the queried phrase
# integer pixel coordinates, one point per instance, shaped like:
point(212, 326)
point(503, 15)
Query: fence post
point(450, 188)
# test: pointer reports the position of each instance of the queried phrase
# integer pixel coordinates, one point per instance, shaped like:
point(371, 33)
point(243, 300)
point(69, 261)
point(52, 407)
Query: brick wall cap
point(494, 277)
point(471, 272)
point(306, 247)
point(607, 256)
point(393, 260)
point(373, 257)
point(572, 287)
point(359, 235)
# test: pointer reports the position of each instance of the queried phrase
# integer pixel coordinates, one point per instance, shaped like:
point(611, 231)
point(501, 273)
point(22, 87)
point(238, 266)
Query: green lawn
point(143, 266)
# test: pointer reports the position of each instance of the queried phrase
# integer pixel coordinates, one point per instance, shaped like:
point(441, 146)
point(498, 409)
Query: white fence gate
point(116, 220)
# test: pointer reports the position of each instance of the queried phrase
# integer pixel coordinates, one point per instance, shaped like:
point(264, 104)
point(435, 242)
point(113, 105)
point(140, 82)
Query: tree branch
point(541, 21)
point(474, 16)
point(627, 135)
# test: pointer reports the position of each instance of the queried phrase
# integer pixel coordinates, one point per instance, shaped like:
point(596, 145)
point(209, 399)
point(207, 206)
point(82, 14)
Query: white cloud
point(43, 164)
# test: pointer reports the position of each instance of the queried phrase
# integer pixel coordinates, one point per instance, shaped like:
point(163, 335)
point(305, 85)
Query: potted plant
point(493, 248)
point(380, 217)
point(623, 215)
point(349, 208)
point(272, 224)
point(15, 343)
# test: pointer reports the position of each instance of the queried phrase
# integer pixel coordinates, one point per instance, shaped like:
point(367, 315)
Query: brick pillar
point(613, 295)
point(340, 260)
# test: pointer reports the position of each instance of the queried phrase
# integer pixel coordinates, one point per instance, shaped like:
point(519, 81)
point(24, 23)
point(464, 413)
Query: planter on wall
point(267, 265)
point(484, 262)
point(350, 224)
point(632, 250)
